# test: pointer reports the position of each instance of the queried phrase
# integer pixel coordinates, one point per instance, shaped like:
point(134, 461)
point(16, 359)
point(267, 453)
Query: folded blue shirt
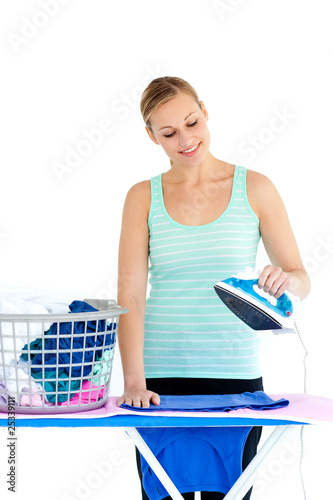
point(258, 400)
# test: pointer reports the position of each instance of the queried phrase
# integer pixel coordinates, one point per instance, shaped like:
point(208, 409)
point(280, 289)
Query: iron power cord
point(302, 427)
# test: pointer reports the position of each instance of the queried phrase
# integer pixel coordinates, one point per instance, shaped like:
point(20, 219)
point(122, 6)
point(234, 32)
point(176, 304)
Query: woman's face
point(180, 127)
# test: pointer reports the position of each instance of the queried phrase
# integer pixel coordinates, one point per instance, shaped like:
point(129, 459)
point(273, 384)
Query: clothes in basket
point(46, 367)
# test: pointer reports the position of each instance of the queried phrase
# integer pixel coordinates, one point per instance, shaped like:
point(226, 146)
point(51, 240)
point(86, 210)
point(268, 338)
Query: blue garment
point(217, 402)
point(202, 458)
point(64, 358)
point(60, 361)
point(196, 459)
point(56, 385)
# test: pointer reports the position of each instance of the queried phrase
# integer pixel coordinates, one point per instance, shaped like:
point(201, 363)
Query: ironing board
point(302, 410)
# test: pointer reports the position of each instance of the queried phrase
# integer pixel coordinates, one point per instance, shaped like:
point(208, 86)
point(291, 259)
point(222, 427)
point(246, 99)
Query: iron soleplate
point(254, 317)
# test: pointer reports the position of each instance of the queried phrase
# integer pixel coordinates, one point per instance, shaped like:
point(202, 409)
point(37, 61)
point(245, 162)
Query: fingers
point(120, 401)
point(273, 281)
point(151, 398)
point(133, 401)
point(155, 399)
point(140, 399)
point(144, 403)
point(126, 401)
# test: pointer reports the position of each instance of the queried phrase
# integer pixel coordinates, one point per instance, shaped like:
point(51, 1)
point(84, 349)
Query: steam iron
point(256, 308)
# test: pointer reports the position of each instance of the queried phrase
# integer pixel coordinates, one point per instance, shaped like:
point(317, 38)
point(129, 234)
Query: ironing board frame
point(130, 423)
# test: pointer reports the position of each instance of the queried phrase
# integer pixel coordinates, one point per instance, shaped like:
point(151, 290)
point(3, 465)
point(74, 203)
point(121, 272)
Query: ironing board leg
point(246, 480)
point(154, 463)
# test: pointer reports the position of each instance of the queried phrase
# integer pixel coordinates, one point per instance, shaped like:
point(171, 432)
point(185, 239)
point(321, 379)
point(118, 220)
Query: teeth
point(190, 150)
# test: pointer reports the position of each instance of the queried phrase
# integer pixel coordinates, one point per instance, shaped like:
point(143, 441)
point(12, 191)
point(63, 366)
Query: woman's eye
point(189, 125)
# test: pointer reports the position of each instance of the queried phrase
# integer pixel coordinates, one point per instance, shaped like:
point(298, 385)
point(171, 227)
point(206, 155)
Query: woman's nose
point(185, 138)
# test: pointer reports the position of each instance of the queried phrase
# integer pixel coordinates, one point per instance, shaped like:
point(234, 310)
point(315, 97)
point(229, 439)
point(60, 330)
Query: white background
point(71, 67)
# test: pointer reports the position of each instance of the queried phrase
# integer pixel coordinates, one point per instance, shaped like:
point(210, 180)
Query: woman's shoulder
point(140, 188)
point(261, 192)
point(139, 197)
point(259, 184)
point(256, 179)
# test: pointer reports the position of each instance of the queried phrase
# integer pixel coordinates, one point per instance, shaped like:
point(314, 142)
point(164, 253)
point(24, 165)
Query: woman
point(196, 224)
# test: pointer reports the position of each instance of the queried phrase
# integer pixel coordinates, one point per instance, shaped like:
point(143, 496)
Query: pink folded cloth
point(302, 408)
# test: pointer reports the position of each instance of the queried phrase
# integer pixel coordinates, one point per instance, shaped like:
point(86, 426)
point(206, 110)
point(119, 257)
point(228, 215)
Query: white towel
point(14, 335)
point(53, 301)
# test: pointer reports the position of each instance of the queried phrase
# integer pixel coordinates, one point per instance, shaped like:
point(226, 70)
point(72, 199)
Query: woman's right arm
point(132, 289)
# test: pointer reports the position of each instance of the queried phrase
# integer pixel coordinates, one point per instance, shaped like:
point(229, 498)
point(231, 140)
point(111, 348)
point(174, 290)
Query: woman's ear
point(204, 110)
point(151, 135)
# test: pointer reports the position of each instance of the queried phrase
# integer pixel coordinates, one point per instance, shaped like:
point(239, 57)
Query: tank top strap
point(239, 182)
point(239, 197)
point(155, 203)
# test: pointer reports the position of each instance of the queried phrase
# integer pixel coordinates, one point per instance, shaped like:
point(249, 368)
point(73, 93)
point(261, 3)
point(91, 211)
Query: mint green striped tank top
point(189, 332)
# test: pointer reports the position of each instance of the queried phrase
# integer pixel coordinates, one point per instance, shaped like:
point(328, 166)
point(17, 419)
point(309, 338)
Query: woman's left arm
point(286, 271)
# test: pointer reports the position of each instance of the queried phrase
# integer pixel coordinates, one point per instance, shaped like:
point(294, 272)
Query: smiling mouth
point(190, 151)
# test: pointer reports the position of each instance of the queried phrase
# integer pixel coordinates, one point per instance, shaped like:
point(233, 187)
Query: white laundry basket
point(73, 375)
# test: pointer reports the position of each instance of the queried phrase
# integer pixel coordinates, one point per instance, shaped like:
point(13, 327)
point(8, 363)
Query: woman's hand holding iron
point(274, 281)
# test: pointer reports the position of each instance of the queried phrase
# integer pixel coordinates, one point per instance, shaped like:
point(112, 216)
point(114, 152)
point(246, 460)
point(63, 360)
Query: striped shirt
point(189, 332)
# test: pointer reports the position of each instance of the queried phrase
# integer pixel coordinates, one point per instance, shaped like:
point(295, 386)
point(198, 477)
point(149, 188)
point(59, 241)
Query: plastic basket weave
point(74, 375)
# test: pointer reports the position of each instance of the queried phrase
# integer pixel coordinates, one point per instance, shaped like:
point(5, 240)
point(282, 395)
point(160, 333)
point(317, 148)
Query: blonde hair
point(161, 90)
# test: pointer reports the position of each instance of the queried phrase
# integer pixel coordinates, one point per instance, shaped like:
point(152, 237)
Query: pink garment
point(36, 398)
point(87, 395)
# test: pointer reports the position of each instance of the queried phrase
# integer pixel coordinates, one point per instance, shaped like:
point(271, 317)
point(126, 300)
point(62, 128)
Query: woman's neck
point(210, 169)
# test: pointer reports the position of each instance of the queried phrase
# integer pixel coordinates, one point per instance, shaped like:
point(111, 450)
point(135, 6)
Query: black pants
point(191, 386)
